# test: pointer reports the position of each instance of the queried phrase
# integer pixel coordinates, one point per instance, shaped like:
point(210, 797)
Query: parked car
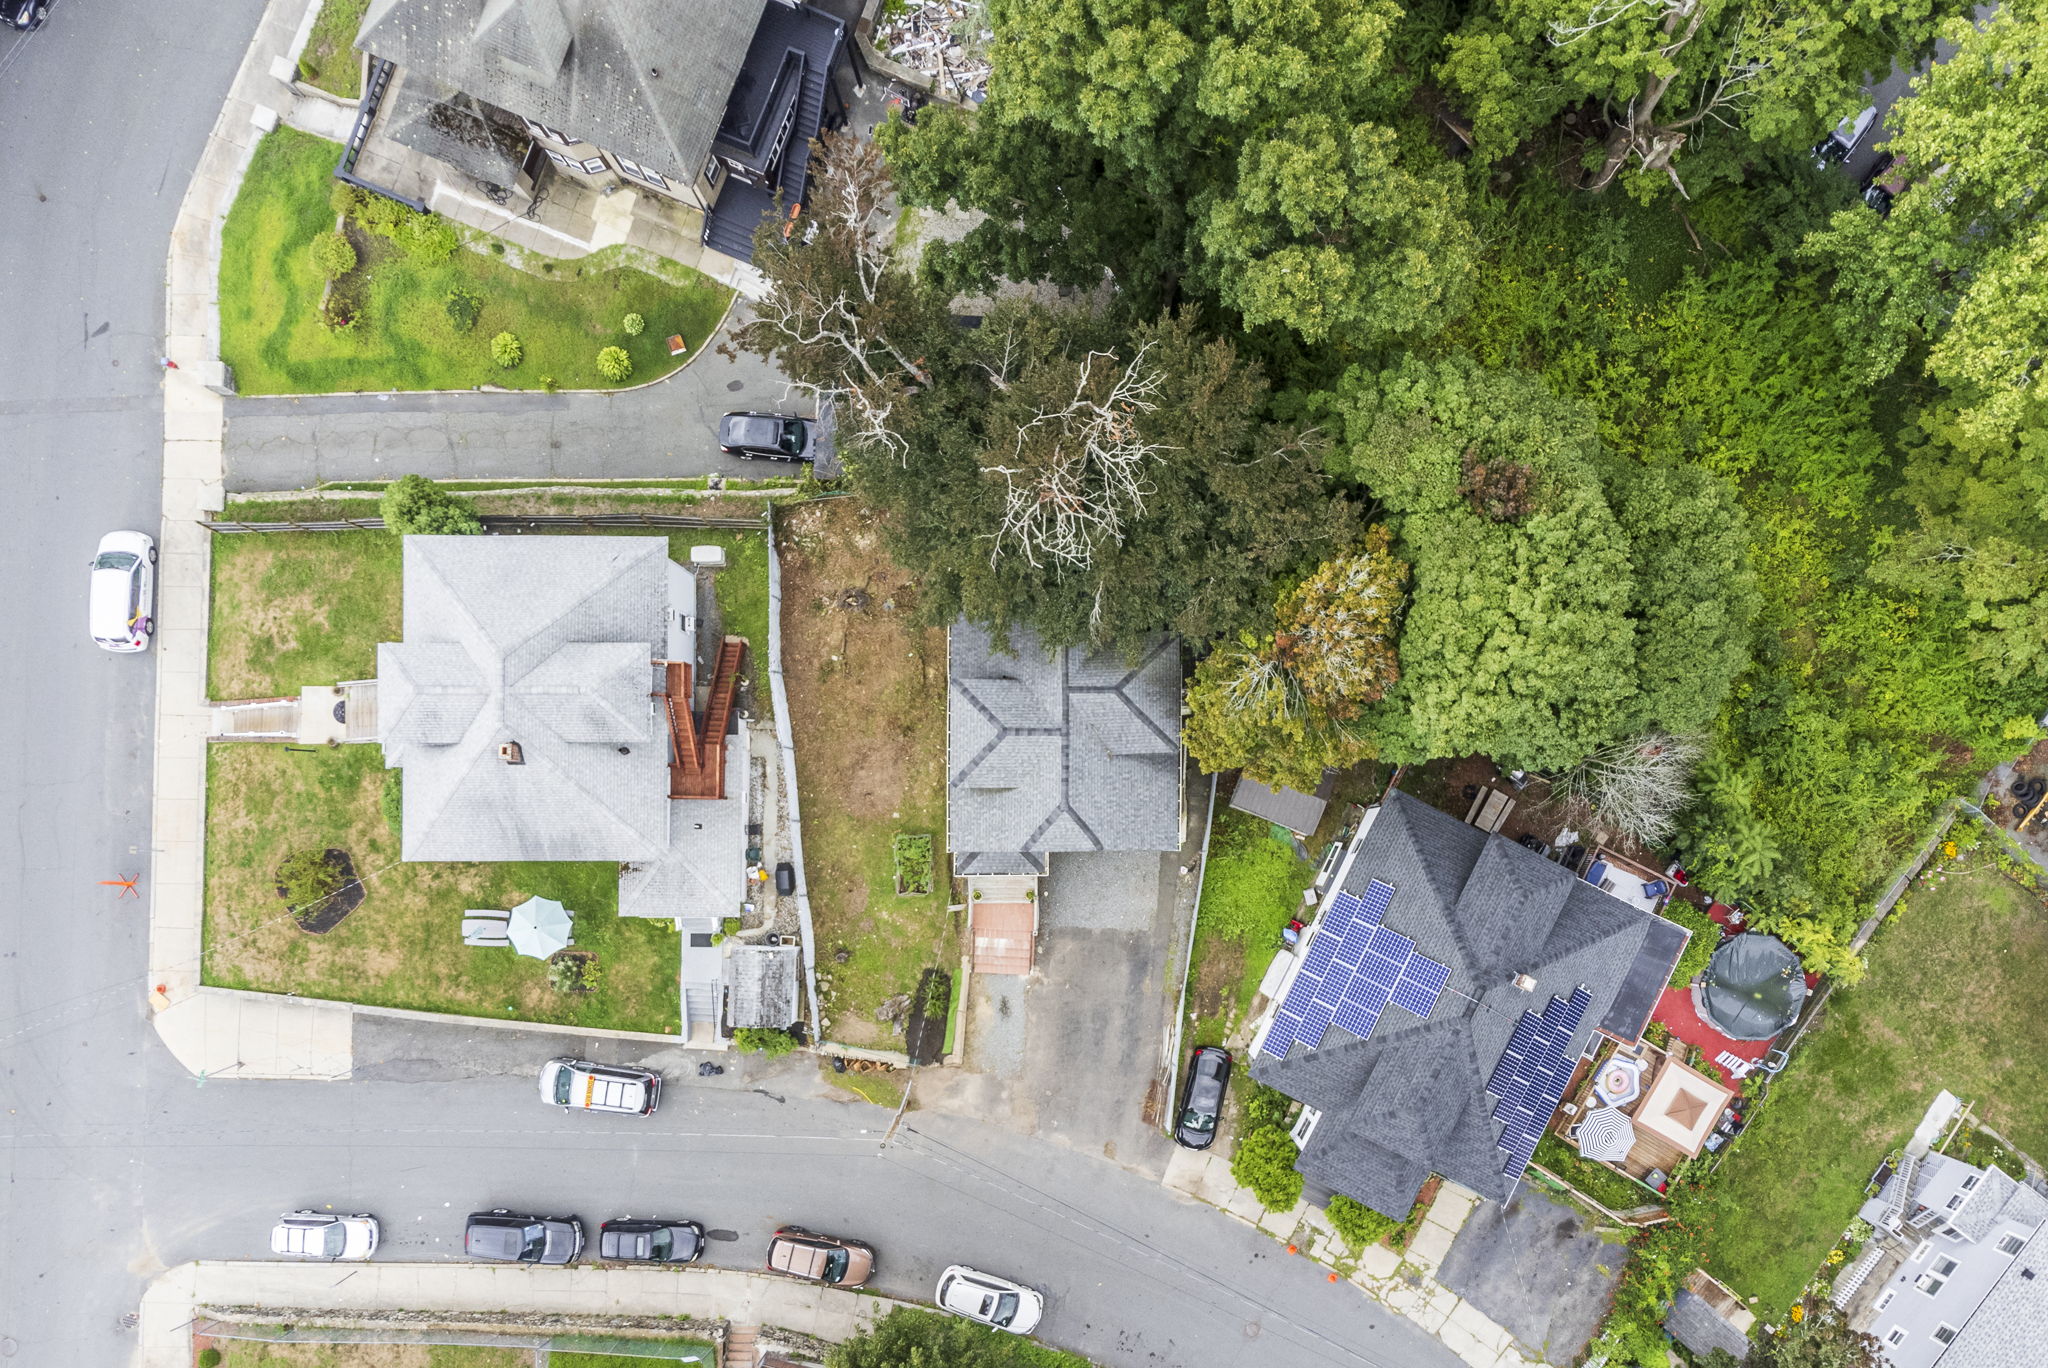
point(323, 1235)
point(508, 1237)
point(1837, 146)
point(765, 436)
point(24, 15)
point(123, 592)
point(579, 1085)
point(639, 1240)
point(806, 1254)
point(989, 1299)
point(1201, 1098)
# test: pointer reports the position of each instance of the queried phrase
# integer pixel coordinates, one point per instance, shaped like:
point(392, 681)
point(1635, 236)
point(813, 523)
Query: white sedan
point(123, 593)
point(322, 1235)
point(989, 1299)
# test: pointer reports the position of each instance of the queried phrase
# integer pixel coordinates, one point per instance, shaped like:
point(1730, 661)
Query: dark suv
point(1201, 1100)
point(765, 436)
point(507, 1237)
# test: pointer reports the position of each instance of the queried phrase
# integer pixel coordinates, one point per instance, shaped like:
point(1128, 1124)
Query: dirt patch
point(867, 698)
point(1216, 979)
point(325, 914)
point(924, 1039)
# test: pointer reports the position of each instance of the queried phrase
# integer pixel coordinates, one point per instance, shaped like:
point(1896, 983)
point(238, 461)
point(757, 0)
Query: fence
point(497, 523)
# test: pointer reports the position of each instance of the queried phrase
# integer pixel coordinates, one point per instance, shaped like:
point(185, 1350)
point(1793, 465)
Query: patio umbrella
point(539, 927)
point(1606, 1134)
point(1754, 987)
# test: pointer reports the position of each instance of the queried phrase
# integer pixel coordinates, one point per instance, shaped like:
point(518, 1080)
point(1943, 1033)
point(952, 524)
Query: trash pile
point(943, 40)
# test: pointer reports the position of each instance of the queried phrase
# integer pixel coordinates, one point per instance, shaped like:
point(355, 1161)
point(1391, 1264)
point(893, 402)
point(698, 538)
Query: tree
point(414, 505)
point(1672, 77)
point(1957, 263)
point(1820, 1338)
point(1242, 151)
point(1264, 1162)
point(1334, 632)
point(911, 1338)
point(1247, 712)
point(1633, 789)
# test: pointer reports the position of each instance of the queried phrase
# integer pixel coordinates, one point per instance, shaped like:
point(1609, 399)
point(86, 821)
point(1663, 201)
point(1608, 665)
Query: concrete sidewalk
point(712, 1294)
point(1405, 1282)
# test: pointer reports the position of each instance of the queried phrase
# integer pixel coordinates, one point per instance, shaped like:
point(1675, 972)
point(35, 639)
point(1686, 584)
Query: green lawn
point(330, 60)
point(742, 589)
point(1953, 1000)
point(645, 1353)
point(1251, 887)
point(259, 1354)
point(563, 313)
point(403, 946)
point(297, 608)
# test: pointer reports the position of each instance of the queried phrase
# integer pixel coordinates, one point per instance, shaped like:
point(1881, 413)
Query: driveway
point(1536, 1267)
point(664, 430)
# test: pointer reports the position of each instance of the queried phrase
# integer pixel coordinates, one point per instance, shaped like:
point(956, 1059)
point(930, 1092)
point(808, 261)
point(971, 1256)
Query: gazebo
point(1754, 987)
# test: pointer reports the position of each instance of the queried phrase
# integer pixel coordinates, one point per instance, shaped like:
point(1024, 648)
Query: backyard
point(867, 700)
point(330, 60)
point(404, 337)
point(1952, 1000)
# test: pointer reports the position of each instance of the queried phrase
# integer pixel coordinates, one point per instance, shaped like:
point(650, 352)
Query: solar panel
point(1378, 897)
point(1315, 1019)
point(1380, 973)
point(1414, 997)
point(1357, 1018)
point(1392, 945)
point(1428, 973)
point(1322, 948)
point(1344, 910)
point(1422, 982)
point(1356, 940)
point(1531, 1075)
point(1330, 991)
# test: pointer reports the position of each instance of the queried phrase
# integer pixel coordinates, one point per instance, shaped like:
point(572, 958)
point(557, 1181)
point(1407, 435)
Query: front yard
point(403, 338)
point(867, 700)
point(1953, 1000)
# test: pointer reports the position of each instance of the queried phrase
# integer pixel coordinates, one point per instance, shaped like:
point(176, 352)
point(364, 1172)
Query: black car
point(639, 1240)
point(1201, 1101)
point(24, 15)
point(507, 1237)
point(765, 436)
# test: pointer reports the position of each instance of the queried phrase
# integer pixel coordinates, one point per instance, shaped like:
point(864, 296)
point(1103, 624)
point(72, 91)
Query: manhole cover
point(7, 1347)
point(735, 385)
point(727, 1235)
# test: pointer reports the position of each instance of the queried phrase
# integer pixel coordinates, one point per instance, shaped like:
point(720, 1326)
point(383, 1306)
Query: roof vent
point(1525, 982)
point(511, 754)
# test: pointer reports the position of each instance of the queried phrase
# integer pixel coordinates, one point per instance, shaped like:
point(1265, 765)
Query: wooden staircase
point(696, 763)
point(740, 1348)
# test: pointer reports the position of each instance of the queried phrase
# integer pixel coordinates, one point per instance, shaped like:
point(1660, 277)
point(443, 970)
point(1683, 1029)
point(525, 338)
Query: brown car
point(805, 1254)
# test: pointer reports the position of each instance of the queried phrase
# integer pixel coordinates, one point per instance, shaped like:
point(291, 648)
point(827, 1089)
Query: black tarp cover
point(1754, 987)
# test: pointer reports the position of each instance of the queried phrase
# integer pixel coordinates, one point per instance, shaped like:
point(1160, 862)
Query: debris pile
point(943, 40)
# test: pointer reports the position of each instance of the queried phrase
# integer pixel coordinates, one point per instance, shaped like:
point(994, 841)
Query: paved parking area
point(1536, 1267)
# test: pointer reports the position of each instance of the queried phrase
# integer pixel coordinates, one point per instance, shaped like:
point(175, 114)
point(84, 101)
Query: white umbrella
point(1606, 1134)
point(539, 927)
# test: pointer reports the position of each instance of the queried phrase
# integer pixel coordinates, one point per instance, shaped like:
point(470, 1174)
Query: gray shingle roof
point(1412, 1099)
point(2010, 1325)
point(546, 641)
point(1699, 1328)
point(763, 981)
point(1067, 750)
point(1299, 812)
point(647, 78)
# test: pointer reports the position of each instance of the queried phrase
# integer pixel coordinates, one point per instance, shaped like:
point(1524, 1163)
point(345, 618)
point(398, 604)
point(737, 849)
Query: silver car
point(123, 593)
point(322, 1235)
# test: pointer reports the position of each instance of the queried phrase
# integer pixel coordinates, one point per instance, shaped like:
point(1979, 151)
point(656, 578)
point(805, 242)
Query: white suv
point(579, 1085)
point(319, 1235)
point(123, 592)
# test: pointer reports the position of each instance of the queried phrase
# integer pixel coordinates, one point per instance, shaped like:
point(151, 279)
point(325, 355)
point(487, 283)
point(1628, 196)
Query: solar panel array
point(1353, 967)
point(1533, 1072)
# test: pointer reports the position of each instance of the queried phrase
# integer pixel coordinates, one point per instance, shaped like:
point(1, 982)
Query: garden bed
point(563, 313)
point(867, 698)
point(330, 60)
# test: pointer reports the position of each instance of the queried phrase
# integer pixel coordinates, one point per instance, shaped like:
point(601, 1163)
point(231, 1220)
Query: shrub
point(763, 1040)
point(1264, 1106)
point(1358, 1223)
point(344, 198)
point(306, 879)
point(497, 249)
point(379, 215)
point(506, 351)
point(614, 365)
point(334, 255)
point(339, 312)
point(426, 238)
point(1264, 1162)
point(634, 325)
point(573, 974)
point(307, 71)
point(415, 506)
point(209, 1357)
point(912, 857)
point(392, 802)
point(1706, 935)
point(547, 383)
point(732, 926)
point(462, 309)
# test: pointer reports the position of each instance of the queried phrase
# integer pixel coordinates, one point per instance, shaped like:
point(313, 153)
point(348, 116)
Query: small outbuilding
point(1298, 812)
point(762, 982)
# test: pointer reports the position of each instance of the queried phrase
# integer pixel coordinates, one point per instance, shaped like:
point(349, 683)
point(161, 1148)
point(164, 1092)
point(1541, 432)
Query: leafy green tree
point(1246, 712)
point(414, 505)
point(1264, 1162)
point(1335, 630)
point(912, 1338)
point(1957, 264)
point(1693, 83)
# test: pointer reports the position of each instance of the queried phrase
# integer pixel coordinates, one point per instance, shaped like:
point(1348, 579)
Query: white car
point(123, 592)
point(579, 1085)
point(989, 1299)
point(322, 1235)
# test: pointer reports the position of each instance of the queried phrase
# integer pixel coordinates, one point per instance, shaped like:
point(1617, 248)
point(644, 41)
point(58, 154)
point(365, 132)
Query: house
point(1954, 1274)
point(1441, 1002)
point(1051, 751)
point(543, 705)
point(710, 105)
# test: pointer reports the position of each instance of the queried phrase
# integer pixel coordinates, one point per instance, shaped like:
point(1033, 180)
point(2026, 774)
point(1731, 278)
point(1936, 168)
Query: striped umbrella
point(1606, 1134)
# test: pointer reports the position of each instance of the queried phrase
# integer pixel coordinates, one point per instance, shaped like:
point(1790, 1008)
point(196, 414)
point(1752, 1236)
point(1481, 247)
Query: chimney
point(511, 754)
point(1526, 983)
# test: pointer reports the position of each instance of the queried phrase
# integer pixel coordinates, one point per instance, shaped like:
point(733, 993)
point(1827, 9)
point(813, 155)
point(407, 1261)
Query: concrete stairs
point(741, 1347)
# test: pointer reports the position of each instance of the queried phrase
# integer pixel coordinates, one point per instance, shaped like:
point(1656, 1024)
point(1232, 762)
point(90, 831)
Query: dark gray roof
point(452, 126)
point(1700, 1328)
point(1067, 750)
point(2009, 1326)
point(647, 78)
point(543, 641)
point(1412, 1099)
point(1299, 812)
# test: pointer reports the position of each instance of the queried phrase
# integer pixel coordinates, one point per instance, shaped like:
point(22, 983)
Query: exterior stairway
point(740, 1347)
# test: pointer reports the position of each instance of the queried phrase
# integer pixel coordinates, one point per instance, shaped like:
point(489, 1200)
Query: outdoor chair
point(485, 928)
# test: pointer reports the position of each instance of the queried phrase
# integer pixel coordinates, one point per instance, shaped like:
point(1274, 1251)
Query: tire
point(152, 555)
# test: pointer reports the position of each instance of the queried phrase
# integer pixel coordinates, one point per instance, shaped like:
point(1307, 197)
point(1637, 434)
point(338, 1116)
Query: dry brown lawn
point(867, 699)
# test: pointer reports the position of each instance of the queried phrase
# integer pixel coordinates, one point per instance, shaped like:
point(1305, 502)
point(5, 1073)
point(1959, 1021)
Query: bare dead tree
point(1631, 789)
point(1075, 472)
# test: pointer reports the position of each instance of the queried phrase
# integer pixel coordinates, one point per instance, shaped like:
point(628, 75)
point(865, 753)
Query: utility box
point(708, 557)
